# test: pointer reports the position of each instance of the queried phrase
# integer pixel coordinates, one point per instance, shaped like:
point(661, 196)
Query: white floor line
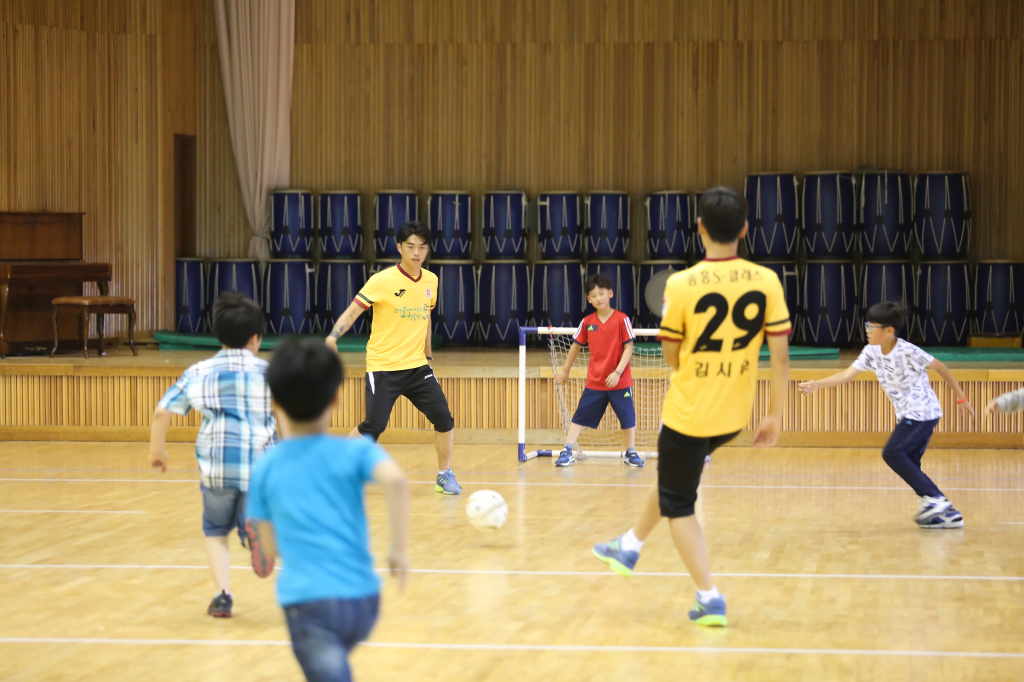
point(557, 648)
point(597, 574)
point(65, 511)
point(1010, 523)
point(537, 483)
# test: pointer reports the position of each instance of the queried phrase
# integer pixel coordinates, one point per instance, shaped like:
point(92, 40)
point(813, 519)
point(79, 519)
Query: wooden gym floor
point(102, 574)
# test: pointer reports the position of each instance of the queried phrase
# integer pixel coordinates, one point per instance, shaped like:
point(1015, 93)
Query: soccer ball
point(486, 510)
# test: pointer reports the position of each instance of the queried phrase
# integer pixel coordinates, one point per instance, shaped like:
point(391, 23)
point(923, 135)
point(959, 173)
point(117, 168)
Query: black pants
point(680, 464)
point(904, 451)
point(419, 385)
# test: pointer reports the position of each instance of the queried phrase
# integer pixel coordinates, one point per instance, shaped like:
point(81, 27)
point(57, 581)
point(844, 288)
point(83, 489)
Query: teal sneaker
point(447, 484)
point(711, 614)
point(618, 559)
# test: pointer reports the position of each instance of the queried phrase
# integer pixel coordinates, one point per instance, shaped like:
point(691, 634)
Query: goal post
point(650, 383)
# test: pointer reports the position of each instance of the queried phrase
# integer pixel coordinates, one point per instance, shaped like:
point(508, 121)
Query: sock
point(570, 447)
point(630, 542)
point(707, 595)
point(629, 450)
point(439, 473)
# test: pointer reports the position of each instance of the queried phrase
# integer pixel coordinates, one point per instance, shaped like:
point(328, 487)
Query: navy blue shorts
point(594, 403)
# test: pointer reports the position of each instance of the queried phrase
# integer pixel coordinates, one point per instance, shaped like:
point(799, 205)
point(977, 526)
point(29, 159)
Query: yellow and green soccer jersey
point(401, 317)
point(719, 310)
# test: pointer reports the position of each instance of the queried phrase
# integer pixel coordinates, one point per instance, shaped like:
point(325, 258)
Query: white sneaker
point(932, 510)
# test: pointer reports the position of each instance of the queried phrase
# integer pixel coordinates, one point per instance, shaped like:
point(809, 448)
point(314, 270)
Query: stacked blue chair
point(789, 277)
point(505, 224)
point(698, 241)
point(830, 214)
point(454, 314)
point(653, 275)
point(999, 298)
point(942, 215)
point(189, 296)
point(288, 288)
point(241, 275)
point(607, 225)
point(830, 312)
point(669, 224)
point(886, 215)
point(291, 232)
point(391, 210)
point(337, 283)
point(623, 277)
point(891, 281)
point(449, 215)
point(559, 224)
point(557, 298)
point(773, 215)
point(341, 224)
point(944, 303)
point(503, 302)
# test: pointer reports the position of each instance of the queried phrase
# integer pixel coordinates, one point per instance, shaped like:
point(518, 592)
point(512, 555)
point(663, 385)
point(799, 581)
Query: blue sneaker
point(618, 559)
point(566, 458)
point(710, 614)
point(447, 484)
point(633, 459)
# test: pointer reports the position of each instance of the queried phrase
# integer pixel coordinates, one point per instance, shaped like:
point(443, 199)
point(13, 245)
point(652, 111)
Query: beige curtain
point(256, 41)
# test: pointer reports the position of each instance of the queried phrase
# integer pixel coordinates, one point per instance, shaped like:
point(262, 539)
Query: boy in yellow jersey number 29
point(715, 316)
point(398, 355)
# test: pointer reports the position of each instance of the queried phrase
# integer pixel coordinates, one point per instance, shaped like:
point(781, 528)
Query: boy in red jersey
point(609, 335)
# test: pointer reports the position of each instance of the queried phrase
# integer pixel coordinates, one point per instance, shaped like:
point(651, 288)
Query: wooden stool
point(100, 305)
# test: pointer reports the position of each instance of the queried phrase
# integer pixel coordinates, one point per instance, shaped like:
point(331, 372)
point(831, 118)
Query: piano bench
point(85, 306)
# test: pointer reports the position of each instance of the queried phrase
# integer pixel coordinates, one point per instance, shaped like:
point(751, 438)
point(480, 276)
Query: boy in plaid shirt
point(231, 392)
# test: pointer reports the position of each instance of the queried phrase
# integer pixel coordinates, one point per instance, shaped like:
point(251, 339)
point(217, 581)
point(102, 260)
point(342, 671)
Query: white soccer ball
point(486, 510)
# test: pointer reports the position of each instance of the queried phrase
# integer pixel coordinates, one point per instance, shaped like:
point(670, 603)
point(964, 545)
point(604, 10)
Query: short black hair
point(236, 317)
point(723, 211)
point(304, 376)
point(413, 228)
point(888, 314)
point(598, 280)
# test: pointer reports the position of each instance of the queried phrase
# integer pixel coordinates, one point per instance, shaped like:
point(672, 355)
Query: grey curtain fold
point(256, 43)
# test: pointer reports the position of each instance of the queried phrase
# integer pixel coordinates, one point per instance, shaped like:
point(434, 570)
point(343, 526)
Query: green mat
point(169, 340)
point(956, 354)
point(795, 352)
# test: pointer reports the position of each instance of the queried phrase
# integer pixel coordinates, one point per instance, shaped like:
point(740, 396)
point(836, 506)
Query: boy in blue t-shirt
point(306, 503)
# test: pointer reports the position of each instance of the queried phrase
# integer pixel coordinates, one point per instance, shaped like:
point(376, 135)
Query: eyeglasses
point(868, 326)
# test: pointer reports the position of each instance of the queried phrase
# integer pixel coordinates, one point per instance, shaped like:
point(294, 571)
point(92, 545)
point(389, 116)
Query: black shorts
point(680, 464)
point(419, 385)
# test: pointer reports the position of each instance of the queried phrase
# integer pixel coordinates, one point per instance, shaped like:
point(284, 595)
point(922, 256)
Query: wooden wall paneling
point(637, 96)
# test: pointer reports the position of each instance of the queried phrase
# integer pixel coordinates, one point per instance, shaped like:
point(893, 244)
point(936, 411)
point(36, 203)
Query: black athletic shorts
point(419, 385)
point(680, 464)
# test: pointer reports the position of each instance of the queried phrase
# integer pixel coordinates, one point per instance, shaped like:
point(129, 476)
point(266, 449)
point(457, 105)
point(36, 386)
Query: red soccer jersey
point(605, 340)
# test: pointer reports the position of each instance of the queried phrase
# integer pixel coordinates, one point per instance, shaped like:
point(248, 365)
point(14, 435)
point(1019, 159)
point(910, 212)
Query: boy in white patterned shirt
point(230, 390)
point(902, 370)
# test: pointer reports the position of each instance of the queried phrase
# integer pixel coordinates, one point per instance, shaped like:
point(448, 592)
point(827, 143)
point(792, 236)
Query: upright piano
point(41, 259)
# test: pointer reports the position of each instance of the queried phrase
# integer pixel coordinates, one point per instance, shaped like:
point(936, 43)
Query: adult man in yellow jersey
point(714, 318)
point(398, 356)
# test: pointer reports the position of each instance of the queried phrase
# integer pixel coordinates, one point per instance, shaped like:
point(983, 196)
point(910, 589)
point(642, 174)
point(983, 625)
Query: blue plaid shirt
point(230, 390)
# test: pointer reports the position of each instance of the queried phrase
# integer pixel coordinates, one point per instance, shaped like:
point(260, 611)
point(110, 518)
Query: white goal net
point(650, 383)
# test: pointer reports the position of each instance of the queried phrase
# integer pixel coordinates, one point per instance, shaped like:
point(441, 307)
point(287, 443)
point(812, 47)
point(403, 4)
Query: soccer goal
point(650, 383)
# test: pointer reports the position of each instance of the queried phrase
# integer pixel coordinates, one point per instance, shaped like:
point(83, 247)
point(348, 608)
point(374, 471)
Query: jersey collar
point(399, 266)
point(719, 260)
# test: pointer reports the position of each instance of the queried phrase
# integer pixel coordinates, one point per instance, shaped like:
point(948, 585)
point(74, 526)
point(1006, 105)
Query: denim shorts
point(223, 511)
point(325, 631)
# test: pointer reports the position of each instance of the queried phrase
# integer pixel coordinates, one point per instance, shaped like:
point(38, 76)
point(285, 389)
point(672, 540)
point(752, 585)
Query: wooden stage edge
point(113, 398)
point(535, 438)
